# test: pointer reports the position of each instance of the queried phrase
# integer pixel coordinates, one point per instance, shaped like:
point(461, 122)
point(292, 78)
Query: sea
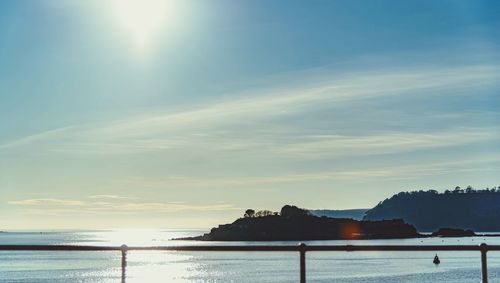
point(252, 267)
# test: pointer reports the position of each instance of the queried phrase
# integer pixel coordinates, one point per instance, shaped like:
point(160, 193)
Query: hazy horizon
point(182, 114)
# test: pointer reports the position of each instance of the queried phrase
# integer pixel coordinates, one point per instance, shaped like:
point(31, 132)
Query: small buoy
point(436, 260)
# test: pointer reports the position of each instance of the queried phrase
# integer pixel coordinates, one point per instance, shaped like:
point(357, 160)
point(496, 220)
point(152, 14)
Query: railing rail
point(301, 249)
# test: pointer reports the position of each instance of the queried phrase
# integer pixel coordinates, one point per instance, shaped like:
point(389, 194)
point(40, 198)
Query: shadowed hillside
point(297, 224)
point(478, 210)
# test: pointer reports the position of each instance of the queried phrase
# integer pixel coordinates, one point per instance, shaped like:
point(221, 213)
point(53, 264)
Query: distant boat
point(436, 260)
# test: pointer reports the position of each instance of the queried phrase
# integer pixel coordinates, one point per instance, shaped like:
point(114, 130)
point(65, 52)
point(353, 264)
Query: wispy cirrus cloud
point(30, 139)
point(382, 173)
point(392, 142)
point(52, 206)
point(330, 90)
point(225, 125)
point(47, 202)
point(114, 197)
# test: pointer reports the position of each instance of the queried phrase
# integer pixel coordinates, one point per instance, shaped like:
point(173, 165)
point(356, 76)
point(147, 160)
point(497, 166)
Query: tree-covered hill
point(478, 210)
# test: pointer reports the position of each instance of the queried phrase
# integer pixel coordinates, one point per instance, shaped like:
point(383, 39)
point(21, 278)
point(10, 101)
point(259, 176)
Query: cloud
point(255, 121)
point(111, 197)
point(339, 145)
point(407, 172)
point(47, 202)
point(55, 133)
point(331, 90)
point(171, 207)
point(52, 211)
point(316, 145)
point(50, 206)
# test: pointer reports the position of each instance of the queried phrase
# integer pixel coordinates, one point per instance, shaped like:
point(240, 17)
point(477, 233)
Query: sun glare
point(143, 19)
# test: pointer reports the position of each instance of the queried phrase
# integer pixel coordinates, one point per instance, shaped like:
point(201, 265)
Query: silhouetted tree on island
point(293, 211)
point(264, 213)
point(478, 210)
point(249, 213)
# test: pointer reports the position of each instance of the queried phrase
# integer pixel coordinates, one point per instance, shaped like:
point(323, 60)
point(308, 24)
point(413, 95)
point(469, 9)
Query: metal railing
point(301, 249)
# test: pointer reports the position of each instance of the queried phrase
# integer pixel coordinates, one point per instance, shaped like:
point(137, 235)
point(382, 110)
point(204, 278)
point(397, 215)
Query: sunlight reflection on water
point(150, 266)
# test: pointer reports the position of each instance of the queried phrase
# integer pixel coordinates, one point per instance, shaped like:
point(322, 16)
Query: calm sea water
point(143, 267)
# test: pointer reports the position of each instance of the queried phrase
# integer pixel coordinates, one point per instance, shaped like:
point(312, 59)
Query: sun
point(143, 20)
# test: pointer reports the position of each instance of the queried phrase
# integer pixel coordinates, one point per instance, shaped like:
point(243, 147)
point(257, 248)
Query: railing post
point(124, 249)
point(484, 266)
point(302, 250)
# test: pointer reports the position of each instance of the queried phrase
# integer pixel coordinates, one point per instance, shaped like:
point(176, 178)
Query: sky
point(182, 114)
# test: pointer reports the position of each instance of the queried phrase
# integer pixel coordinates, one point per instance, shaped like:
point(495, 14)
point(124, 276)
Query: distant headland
point(476, 210)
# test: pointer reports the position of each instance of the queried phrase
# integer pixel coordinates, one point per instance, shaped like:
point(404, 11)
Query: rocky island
point(296, 224)
point(453, 232)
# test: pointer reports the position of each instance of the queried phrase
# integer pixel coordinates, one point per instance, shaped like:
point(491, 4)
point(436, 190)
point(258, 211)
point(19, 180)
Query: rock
point(453, 232)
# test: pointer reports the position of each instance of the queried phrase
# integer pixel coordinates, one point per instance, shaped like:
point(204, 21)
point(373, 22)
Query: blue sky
point(175, 114)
